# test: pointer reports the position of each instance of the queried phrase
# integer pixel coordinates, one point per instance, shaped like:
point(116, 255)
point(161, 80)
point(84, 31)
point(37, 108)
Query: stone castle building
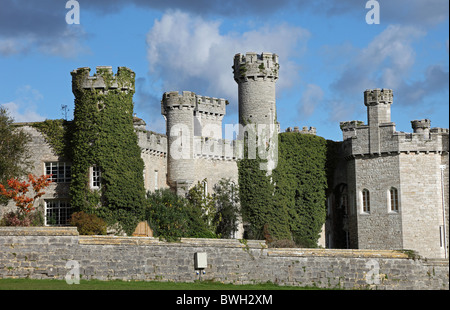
point(390, 189)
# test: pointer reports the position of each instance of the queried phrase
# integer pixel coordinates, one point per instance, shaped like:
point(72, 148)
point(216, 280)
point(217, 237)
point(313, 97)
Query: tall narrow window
point(156, 180)
point(394, 199)
point(366, 201)
point(96, 177)
point(205, 188)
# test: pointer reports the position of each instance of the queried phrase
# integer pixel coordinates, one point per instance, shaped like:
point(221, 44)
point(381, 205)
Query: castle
point(390, 189)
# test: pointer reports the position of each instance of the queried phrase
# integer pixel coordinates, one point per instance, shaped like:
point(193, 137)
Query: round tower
point(256, 76)
point(422, 127)
point(178, 110)
point(106, 157)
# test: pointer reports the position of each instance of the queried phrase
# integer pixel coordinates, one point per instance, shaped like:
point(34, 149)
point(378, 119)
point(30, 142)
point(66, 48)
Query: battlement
point(104, 78)
point(218, 149)
point(305, 130)
point(373, 97)
point(356, 138)
point(253, 66)
point(200, 104)
point(211, 106)
point(172, 100)
point(152, 143)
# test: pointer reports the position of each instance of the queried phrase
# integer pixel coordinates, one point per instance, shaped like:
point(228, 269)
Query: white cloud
point(23, 108)
point(384, 63)
point(311, 98)
point(191, 53)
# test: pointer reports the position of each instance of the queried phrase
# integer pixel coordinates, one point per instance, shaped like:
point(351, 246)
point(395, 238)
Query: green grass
point(28, 284)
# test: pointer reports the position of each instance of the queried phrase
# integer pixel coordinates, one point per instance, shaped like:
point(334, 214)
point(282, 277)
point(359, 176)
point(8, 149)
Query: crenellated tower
point(256, 76)
point(378, 103)
point(178, 110)
point(188, 116)
point(106, 157)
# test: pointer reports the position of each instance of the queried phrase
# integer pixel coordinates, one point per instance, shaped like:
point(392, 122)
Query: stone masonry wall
point(41, 154)
point(380, 228)
point(41, 253)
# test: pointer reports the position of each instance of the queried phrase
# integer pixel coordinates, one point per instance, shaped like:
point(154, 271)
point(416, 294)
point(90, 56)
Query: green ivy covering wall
point(289, 204)
point(103, 136)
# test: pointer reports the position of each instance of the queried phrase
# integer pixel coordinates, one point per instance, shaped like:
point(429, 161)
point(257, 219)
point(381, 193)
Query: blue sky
point(329, 55)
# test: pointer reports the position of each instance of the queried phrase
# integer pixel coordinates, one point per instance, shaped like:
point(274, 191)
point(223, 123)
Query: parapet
point(349, 128)
point(103, 78)
point(253, 66)
point(201, 104)
point(152, 143)
point(218, 149)
point(211, 106)
point(305, 130)
point(378, 96)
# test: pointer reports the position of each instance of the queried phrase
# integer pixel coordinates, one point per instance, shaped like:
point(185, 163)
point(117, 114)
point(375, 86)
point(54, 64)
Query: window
point(205, 188)
point(61, 172)
point(393, 192)
point(57, 212)
point(156, 180)
point(96, 177)
point(366, 201)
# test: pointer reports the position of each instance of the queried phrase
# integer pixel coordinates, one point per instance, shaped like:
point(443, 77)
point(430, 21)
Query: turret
point(256, 75)
point(422, 127)
point(178, 110)
point(103, 79)
point(378, 103)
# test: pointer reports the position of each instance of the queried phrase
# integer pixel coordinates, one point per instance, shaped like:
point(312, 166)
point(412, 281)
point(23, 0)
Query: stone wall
point(41, 253)
point(41, 153)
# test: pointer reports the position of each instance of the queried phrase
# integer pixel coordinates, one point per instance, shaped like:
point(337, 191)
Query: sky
point(329, 55)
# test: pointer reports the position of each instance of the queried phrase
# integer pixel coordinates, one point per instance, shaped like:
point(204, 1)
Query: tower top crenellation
point(104, 78)
point(253, 65)
point(201, 104)
point(378, 96)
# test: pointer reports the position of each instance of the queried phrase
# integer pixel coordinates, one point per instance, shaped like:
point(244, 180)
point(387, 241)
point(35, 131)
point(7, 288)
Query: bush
point(13, 219)
point(17, 219)
point(173, 217)
point(88, 224)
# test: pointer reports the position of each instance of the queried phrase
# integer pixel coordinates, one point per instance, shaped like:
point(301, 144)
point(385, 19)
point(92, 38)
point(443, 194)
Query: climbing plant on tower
point(104, 141)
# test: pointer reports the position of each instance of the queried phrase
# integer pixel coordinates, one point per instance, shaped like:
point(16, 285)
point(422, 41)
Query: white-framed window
point(61, 171)
point(95, 177)
point(57, 212)
point(393, 200)
point(365, 201)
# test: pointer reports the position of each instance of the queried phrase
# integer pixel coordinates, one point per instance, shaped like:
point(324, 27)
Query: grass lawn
point(28, 284)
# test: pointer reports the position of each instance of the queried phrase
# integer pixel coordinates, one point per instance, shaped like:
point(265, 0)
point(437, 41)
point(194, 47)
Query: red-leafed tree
point(18, 191)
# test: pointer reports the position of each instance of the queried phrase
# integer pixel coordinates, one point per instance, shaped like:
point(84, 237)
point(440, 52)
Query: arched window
point(393, 192)
point(366, 201)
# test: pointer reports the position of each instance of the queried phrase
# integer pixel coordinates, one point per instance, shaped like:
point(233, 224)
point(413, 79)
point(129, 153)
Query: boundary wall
point(50, 252)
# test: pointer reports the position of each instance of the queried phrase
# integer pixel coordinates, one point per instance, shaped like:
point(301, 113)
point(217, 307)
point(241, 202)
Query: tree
point(226, 194)
point(14, 156)
point(205, 203)
point(173, 217)
point(18, 191)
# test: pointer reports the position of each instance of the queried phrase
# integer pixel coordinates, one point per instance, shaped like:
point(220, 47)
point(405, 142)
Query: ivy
point(289, 205)
point(57, 133)
point(103, 136)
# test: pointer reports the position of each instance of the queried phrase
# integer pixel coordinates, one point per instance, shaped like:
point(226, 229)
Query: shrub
point(173, 217)
point(14, 219)
point(88, 224)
